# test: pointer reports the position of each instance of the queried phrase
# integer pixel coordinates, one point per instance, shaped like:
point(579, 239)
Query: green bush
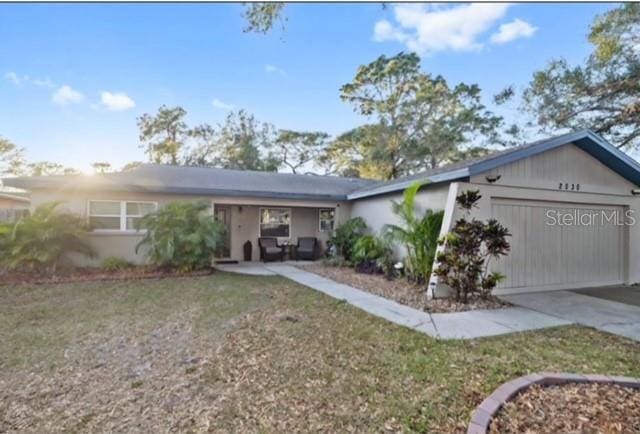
point(113, 263)
point(43, 240)
point(418, 234)
point(345, 236)
point(463, 264)
point(373, 255)
point(181, 235)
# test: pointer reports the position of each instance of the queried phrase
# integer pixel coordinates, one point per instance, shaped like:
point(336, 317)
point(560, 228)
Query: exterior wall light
point(492, 178)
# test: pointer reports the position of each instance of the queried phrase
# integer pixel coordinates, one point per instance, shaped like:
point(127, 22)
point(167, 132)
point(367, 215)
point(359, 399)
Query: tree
point(164, 135)
point(101, 167)
point(294, 149)
point(445, 119)
point(48, 168)
point(422, 120)
point(261, 17)
point(604, 93)
point(385, 88)
point(133, 165)
point(360, 152)
point(244, 143)
point(12, 160)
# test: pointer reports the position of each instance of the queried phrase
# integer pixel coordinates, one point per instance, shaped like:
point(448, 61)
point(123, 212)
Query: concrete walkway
point(460, 325)
point(606, 315)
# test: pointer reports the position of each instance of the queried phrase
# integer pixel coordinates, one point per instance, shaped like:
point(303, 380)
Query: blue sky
point(73, 78)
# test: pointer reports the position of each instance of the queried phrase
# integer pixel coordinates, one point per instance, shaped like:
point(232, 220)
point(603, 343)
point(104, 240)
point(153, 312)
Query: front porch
point(287, 221)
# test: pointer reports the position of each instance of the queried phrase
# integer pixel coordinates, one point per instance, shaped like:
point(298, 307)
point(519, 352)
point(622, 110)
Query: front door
point(223, 215)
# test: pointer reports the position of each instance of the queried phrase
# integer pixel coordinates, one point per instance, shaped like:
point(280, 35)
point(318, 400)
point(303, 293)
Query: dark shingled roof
point(210, 181)
point(154, 178)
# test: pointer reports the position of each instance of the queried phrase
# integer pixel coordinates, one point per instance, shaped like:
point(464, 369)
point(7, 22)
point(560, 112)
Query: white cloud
point(427, 28)
point(272, 69)
point(513, 30)
point(67, 95)
point(25, 79)
point(221, 104)
point(118, 101)
point(15, 78)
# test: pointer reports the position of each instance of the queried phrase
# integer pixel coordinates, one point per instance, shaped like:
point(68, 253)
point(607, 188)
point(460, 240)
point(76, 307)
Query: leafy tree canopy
point(294, 149)
point(262, 17)
point(164, 135)
point(101, 167)
point(12, 160)
point(48, 168)
point(244, 143)
point(422, 119)
point(603, 94)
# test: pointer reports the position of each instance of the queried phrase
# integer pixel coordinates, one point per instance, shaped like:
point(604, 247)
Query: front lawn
point(232, 353)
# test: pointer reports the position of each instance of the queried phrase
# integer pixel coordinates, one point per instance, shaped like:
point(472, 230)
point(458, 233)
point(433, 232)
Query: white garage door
point(557, 245)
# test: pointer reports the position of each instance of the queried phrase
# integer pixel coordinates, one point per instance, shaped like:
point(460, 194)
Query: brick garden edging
point(483, 414)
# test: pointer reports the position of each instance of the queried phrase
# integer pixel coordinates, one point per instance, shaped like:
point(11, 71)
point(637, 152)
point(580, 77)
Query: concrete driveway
point(594, 311)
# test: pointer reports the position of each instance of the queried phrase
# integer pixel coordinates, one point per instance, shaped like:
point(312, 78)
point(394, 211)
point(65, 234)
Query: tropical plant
point(463, 264)
point(345, 236)
point(372, 254)
point(417, 233)
point(181, 235)
point(44, 240)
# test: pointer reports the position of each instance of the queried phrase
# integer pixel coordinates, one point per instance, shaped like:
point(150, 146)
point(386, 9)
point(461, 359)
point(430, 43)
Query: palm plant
point(44, 240)
point(181, 235)
point(418, 234)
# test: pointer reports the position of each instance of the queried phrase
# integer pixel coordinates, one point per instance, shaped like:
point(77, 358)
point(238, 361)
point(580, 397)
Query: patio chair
point(306, 248)
point(270, 250)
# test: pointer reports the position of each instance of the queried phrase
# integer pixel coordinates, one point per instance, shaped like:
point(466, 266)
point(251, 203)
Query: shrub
point(372, 255)
point(181, 235)
point(463, 264)
point(113, 263)
point(43, 240)
point(418, 234)
point(344, 237)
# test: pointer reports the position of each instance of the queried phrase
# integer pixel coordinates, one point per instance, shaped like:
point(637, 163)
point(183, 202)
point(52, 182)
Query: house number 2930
point(568, 186)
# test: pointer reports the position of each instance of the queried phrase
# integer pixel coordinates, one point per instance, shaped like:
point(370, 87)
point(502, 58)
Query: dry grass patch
point(230, 353)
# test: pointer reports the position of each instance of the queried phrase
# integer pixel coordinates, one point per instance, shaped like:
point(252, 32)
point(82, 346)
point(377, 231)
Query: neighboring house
point(14, 204)
point(528, 188)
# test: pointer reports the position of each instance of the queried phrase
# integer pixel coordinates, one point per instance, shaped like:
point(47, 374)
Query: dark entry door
point(223, 215)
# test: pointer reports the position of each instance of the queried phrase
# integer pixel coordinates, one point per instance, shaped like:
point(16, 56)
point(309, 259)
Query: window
point(104, 215)
point(137, 210)
point(115, 215)
point(326, 219)
point(275, 222)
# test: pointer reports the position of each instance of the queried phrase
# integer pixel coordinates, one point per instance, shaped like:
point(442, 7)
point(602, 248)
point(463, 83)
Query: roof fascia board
point(440, 177)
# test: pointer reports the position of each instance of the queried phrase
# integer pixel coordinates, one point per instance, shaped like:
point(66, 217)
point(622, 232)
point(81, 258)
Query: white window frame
point(123, 215)
point(320, 219)
point(278, 208)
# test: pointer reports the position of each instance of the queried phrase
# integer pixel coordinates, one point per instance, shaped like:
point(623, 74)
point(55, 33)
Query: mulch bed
point(91, 274)
point(401, 290)
point(571, 408)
